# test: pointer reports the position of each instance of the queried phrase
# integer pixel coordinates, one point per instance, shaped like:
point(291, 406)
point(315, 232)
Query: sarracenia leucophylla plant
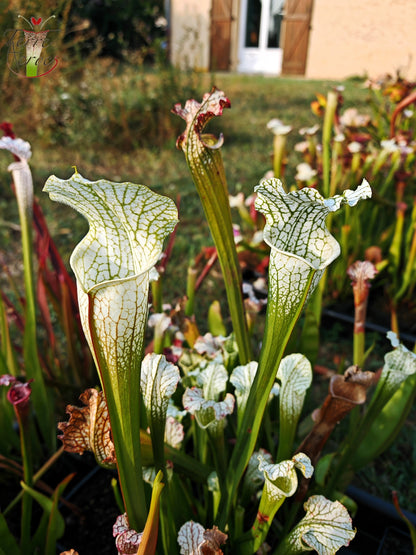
point(360, 273)
point(299, 255)
point(23, 186)
point(221, 433)
point(378, 147)
point(113, 266)
point(203, 156)
point(53, 298)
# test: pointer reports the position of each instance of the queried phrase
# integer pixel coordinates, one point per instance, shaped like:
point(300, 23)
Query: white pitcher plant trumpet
point(301, 248)
point(113, 265)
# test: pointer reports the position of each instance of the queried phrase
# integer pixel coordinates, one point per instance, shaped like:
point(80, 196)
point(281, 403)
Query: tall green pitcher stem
point(40, 398)
point(26, 450)
point(276, 336)
point(221, 229)
point(124, 426)
point(203, 156)
point(331, 107)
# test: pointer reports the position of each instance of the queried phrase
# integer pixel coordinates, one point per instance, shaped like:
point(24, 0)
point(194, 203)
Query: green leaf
point(8, 543)
point(215, 321)
point(8, 363)
point(242, 379)
point(52, 525)
point(281, 481)
point(213, 379)
point(369, 351)
point(325, 529)
point(309, 339)
point(295, 376)
point(204, 159)
point(386, 425)
point(158, 382)
point(322, 468)
point(395, 250)
point(393, 395)
point(45, 502)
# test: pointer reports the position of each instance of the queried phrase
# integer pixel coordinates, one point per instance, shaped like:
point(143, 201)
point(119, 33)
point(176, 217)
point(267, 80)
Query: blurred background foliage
point(116, 28)
point(120, 29)
point(96, 89)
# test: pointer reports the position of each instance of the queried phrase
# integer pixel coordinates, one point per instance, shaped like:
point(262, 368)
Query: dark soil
point(90, 509)
point(90, 530)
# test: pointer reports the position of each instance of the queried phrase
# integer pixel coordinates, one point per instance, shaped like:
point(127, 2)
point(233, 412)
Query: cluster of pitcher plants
point(202, 429)
point(380, 147)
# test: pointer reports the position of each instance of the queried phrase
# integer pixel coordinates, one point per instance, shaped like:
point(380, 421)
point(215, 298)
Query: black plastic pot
point(380, 530)
point(89, 530)
point(348, 318)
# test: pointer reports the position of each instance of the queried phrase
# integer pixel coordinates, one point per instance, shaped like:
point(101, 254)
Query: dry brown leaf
point(213, 539)
point(88, 428)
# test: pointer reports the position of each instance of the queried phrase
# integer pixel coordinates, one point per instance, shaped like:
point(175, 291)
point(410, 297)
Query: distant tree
point(123, 26)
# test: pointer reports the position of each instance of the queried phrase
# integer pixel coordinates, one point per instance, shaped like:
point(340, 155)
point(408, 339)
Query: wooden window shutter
point(220, 36)
point(296, 25)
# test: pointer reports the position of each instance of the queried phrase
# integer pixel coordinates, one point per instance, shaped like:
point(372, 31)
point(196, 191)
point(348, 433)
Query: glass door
point(259, 44)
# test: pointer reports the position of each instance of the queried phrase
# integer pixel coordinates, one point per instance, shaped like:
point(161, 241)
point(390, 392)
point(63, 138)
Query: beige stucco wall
point(356, 37)
point(189, 38)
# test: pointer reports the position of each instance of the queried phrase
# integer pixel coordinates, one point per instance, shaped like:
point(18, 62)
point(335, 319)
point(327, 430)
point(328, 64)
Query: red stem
point(409, 99)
